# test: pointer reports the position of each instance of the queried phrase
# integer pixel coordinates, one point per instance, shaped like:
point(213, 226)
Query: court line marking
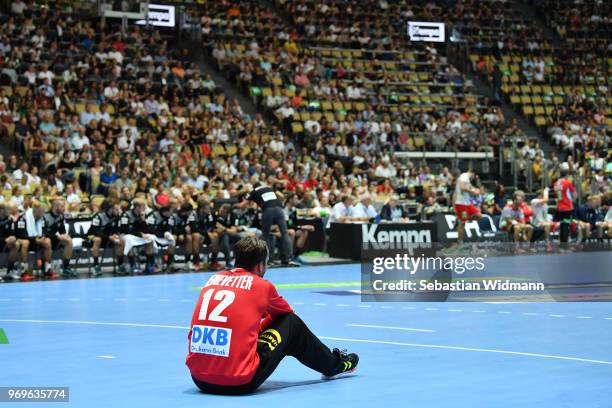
point(320, 304)
point(583, 317)
point(481, 350)
point(556, 315)
point(342, 305)
point(431, 309)
point(530, 314)
point(454, 310)
point(386, 307)
point(392, 343)
point(369, 306)
point(503, 312)
point(85, 322)
point(373, 326)
point(479, 311)
point(108, 357)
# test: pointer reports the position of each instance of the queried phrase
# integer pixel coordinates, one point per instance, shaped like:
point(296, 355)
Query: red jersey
point(527, 211)
point(565, 198)
point(226, 324)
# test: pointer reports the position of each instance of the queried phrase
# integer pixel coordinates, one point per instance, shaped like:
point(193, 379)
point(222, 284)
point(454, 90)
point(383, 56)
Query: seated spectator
point(364, 210)
point(392, 212)
point(513, 220)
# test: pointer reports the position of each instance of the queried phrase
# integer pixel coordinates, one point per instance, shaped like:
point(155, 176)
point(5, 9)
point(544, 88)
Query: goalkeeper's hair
point(250, 252)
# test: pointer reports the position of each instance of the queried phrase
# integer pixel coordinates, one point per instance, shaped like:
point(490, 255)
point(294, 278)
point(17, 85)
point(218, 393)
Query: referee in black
point(272, 213)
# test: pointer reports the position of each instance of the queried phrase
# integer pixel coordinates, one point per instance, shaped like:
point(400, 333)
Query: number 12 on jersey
point(210, 340)
point(226, 298)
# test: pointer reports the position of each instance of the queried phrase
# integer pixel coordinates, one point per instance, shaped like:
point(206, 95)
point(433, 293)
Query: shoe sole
point(342, 374)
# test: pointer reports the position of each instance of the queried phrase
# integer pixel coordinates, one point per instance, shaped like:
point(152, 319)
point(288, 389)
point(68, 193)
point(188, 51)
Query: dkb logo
point(211, 340)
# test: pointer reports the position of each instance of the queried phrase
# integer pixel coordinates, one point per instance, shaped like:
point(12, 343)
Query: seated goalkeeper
point(242, 328)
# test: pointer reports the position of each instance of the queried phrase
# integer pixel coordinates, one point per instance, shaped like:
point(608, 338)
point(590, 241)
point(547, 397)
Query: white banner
point(423, 31)
point(160, 15)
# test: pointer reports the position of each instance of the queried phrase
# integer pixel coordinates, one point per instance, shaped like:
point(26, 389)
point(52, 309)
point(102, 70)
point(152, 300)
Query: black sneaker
point(348, 364)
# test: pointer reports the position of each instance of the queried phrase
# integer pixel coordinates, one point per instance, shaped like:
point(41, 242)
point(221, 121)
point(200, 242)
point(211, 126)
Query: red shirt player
point(464, 209)
point(242, 328)
point(564, 187)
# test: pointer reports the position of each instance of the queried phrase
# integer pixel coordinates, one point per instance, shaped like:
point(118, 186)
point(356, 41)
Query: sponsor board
point(160, 15)
point(426, 31)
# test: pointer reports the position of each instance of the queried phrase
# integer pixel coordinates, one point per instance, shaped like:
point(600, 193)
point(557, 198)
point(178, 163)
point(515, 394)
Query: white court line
point(434, 346)
point(607, 318)
point(503, 312)
point(530, 314)
point(408, 307)
point(369, 306)
point(342, 305)
point(320, 304)
point(556, 315)
point(164, 300)
point(298, 303)
point(583, 317)
point(454, 310)
point(108, 357)
point(186, 300)
point(386, 307)
point(437, 346)
point(479, 311)
point(373, 326)
point(162, 326)
point(431, 309)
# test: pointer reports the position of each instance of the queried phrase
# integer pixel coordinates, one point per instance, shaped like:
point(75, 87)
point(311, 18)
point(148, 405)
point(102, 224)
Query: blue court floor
point(121, 342)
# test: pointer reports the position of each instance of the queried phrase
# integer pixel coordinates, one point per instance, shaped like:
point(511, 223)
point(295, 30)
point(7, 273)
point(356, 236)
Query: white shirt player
point(540, 211)
point(463, 197)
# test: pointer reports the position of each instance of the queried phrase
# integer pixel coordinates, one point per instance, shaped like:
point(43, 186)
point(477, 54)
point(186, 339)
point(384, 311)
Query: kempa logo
point(160, 15)
point(422, 31)
point(370, 236)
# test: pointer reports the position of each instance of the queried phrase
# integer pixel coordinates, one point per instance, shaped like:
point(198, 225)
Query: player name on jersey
point(239, 281)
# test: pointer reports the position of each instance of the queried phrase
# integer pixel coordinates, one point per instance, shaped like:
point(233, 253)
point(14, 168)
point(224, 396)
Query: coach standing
point(272, 214)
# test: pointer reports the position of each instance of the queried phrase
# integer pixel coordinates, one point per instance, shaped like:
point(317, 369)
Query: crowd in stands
point(102, 119)
point(345, 72)
point(563, 89)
